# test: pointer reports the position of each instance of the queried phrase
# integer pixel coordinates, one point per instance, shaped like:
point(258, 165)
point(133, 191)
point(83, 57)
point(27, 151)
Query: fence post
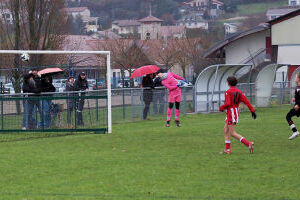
point(132, 104)
point(97, 108)
point(42, 113)
point(75, 111)
point(123, 101)
point(184, 100)
point(194, 98)
point(2, 117)
point(281, 93)
point(2, 114)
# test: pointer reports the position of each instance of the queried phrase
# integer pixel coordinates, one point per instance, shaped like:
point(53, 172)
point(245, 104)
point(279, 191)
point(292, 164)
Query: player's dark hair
point(298, 75)
point(232, 81)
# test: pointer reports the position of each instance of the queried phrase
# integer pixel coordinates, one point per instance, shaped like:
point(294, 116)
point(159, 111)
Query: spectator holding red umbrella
point(46, 87)
point(147, 85)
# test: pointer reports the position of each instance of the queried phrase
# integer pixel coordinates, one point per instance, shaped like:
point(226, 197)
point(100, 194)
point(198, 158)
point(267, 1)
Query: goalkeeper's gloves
point(180, 83)
point(254, 115)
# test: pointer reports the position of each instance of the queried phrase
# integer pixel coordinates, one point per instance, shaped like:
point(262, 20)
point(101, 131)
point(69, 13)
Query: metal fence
point(81, 112)
point(129, 104)
point(61, 112)
point(54, 112)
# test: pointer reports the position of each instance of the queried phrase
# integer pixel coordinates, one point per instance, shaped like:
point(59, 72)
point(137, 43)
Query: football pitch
point(146, 160)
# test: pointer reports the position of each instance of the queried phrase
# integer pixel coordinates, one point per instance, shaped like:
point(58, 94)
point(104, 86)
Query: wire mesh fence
point(58, 114)
point(133, 104)
point(52, 114)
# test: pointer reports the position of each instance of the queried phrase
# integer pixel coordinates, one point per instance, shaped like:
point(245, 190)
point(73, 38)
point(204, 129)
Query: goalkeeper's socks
point(293, 127)
point(169, 113)
point(227, 145)
point(177, 113)
point(244, 141)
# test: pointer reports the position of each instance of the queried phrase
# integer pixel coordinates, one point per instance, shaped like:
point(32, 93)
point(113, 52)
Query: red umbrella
point(50, 71)
point(148, 69)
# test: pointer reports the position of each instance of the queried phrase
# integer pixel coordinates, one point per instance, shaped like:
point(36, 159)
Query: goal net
point(49, 93)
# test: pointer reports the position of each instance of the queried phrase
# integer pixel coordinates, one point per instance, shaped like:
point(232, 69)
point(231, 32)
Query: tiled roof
point(218, 2)
point(168, 31)
point(76, 9)
point(150, 19)
point(108, 34)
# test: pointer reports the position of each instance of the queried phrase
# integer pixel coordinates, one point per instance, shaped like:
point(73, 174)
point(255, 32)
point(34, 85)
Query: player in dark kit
point(233, 98)
point(295, 110)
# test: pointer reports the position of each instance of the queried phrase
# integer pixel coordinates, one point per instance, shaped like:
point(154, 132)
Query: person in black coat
point(46, 87)
point(147, 84)
point(80, 84)
point(30, 86)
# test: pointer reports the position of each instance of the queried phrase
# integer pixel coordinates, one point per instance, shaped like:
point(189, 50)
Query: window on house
point(147, 36)
point(273, 17)
point(293, 3)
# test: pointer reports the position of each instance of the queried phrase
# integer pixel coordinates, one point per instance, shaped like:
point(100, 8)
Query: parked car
point(59, 84)
point(127, 83)
point(9, 88)
point(101, 84)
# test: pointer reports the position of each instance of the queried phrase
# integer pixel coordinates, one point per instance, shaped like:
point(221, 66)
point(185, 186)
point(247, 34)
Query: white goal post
point(107, 53)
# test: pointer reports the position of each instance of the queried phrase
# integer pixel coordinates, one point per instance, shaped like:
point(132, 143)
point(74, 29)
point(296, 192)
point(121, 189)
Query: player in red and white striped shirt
point(233, 98)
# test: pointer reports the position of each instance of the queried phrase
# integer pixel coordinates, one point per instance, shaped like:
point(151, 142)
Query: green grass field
point(145, 160)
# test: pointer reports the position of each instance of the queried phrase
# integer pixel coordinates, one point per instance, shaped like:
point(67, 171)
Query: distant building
point(125, 26)
point(294, 2)
point(6, 16)
point(198, 3)
point(193, 20)
point(172, 32)
point(275, 13)
point(231, 28)
point(148, 28)
point(217, 8)
point(106, 35)
point(91, 23)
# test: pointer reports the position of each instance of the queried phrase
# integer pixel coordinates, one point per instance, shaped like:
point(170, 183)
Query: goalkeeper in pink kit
point(172, 82)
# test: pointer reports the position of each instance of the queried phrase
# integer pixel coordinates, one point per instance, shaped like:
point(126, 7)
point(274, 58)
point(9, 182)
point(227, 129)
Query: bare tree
point(36, 25)
point(164, 52)
point(127, 55)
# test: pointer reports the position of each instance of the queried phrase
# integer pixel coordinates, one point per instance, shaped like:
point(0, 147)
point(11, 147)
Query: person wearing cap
point(81, 84)
point(70, 102)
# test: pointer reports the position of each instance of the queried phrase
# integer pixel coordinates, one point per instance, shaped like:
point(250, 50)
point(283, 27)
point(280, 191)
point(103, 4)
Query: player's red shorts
point(232, 116)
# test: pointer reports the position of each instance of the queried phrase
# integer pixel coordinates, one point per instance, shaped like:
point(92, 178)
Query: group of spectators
point(38, 88)
point(153, 91)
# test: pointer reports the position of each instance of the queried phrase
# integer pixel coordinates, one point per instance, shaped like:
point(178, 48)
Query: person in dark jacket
point(147, 84)
point(80, 84)
point(158, 97)
point(70, 102)
point(46, 87)
point(31, 86)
